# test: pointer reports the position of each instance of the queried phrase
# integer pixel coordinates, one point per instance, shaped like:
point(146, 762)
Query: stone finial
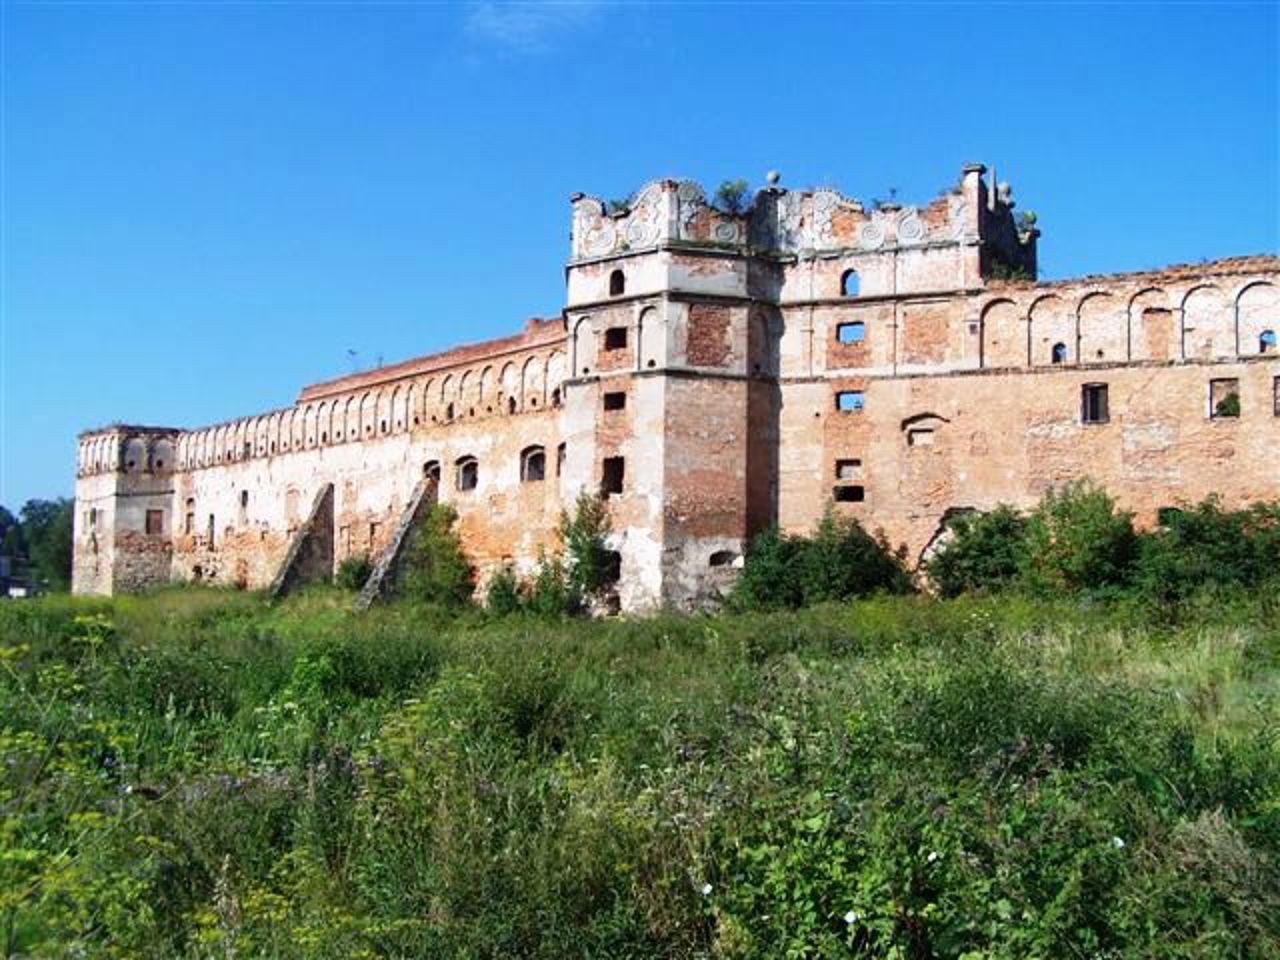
point(978, 168)
point(773, 176)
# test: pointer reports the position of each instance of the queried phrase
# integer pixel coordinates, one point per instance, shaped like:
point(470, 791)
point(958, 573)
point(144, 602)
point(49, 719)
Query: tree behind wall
point(46, 536)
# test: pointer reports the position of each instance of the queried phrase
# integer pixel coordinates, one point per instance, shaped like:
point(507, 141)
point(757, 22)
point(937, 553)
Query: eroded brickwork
point(715, 374)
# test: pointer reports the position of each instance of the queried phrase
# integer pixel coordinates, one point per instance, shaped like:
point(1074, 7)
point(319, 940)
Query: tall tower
point(671, 409)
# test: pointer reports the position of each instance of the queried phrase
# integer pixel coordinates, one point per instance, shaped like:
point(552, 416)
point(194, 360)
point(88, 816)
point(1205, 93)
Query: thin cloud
point(527, 27)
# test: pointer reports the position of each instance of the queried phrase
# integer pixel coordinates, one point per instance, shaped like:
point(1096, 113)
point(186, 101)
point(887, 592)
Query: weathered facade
point(717, 373)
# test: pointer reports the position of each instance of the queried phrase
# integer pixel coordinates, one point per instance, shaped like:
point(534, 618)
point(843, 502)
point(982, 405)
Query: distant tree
point(47, 531)
point(11, 542)
point(731, 197)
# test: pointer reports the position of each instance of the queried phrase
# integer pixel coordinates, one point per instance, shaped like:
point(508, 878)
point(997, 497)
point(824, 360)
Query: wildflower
point(851, 918)
point(706, 889)
point(933, 855)
point(1117, 843)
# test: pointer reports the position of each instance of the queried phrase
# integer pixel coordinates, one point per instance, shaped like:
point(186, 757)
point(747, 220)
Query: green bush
point(551, 594)
point(583, 535)
point(437, 571)
point(353, 572)
point(502, 597)
point(985, 553)
point(1076, 540)
point(839, 561)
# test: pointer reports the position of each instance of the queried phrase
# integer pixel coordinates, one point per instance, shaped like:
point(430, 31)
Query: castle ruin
point(714, 374)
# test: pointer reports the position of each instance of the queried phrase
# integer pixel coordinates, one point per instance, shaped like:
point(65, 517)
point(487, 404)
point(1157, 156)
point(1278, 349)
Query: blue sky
point(206, 206)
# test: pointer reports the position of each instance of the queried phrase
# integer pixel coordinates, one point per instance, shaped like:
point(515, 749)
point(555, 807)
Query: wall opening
point(850, 285)
point(612, 474)
point(1059, 354)
point(920, 436)
point(1094, 403)
point(722, 558)
point(849, 401)
point(1275, 391)
point(615, 338)
point(1267, 342)
point(468, 473)
point(615, 400)
point(210, 531)
point(533, 464)
point(1224, 398)
point(617, 283)
point(560, 455)
point(612, 572)
point(448, 412)
point(155, 523)
point(511, 404)
point(431, 470)
point(850, 469)
point(555, 397)
point(189, 523)
point(853, 493)
point(851, 332)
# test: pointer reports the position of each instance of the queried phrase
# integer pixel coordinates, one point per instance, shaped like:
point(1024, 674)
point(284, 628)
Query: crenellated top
point(127, 448)
point(781, 221)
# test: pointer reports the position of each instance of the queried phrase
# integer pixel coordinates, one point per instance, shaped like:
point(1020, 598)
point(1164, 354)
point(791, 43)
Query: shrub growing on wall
point(583, 535)
point(985, 553)
point(438, 571)
point(503, 595)
point(1208, 546)
point(1078, 540)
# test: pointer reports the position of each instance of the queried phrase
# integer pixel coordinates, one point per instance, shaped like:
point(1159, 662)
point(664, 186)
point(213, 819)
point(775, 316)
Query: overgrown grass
point(196, 773)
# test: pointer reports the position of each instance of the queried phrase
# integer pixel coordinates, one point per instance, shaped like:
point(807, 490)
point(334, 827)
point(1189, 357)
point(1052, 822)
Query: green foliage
point(840, 561)
point(583, 535)
point(353, 572)
point(620, 206)
point(503, 596)
point(199, 773)
point(731, 196)
point(985, 552)
point(551, 593)
point(437, 571)
point(1228, 406)
point(44, 536)
point(1077, 540)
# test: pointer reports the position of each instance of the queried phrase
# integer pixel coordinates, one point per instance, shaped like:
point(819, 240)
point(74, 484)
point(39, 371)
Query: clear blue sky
point(205, 206)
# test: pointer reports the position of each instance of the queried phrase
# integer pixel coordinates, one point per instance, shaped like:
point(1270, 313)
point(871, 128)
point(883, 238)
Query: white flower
point(933, 855)
point(850, 918)
point(706, 889)
point(1117, 843)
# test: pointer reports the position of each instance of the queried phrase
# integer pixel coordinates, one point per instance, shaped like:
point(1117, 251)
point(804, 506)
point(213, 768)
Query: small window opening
point(849, 401)
point(533, 401)
point(384, 426)
point(848, 333)
point(615, 400)
point(324, 438)
point(653, 363)
point(1224, 398)
point(273, 446)
point(612, 572)
point(244, 499)
point(849, 283)
point(612, 474)
point(416, 420)
point(129, 465)
point(1059, 353)
point(511, 404)
point(1093, 403)
point(93, 518)
point(722, 558)
point(560, 454)
point(468, 471)
point(533, 464)
point(159, 464)
point(617, 284)
point(431, 470)
point(448, 412)
point(555, 397)
point(210, 531)
point(155, 522)
point(849, 469)
point(920, 437)
point(849, 494)
point(615, 338)
point(1267, 342)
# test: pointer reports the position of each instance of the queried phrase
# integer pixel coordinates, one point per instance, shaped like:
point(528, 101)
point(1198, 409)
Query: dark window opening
point(431, 470)
point(189, 523)
point(159, 464)
point(612, 572)
point(849, 469)
point(849, 494)
point(850, 333)
point(1224, 398)
point(615, 338)
point(1093, 403)
point(468, 473)
point(384, 426)
point(653, 363)
point(273, 446)
point(471, 411)
point(1275, 390)
point(615, 400)
point(128, 465)
point(1267, 342)
point(920, 437)
point(210, 531)
point(155, 522)
point(617, 284)
point(533, 464)
point(555, 397)
point(324, 438)
point(93, 518)
point(849, 401)
point(1059, 354)
point(560, 454)
point(448, 412)
point(511, 404)
point(723, 558)
point(612, 474)
point(849, 284)
point(533, 401)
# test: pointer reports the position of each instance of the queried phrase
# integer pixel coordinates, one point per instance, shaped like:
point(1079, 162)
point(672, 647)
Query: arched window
point(1059, 353)
point(849, 283)
point(533, 464)
point(617, 284)
point(431, 470)
point(467, 476)
point(1267, 342)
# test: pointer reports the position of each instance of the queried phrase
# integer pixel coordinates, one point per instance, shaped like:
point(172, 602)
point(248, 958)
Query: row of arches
point(1203, 322)
point(131, 454)
point(531, 384)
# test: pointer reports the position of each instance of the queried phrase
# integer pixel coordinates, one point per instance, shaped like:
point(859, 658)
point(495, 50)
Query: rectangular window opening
point(849, 469)
point(849, 494)
point(1275, 390)
point(851, 332)
point(920, 437)
point(1224, 399)
point(612, 474)
point(155, 522)
point(1093, 403)
point(615, 338)
point(615, 400)
point(849, 401)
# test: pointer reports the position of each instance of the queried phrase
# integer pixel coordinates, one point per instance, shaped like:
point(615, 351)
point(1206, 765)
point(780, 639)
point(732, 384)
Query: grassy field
point(198, 774)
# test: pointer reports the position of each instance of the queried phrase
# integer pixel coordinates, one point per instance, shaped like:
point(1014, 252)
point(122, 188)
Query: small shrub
point(583, 536)
point(503, 596)
point(551, 594)
point(1077, 540)
point(731, 197)
point(1228, 406)
point(984, 554)
point(437, 571)
point(353, 572)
